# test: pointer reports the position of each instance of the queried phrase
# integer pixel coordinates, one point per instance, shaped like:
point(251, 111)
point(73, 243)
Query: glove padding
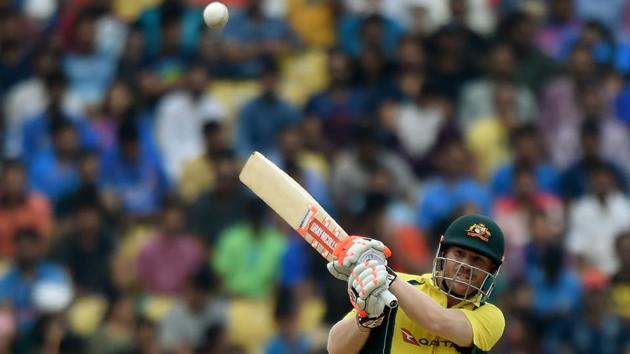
point(350, 251)
point(366, 283)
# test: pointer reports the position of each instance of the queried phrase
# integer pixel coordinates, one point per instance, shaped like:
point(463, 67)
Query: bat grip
point(390, 300)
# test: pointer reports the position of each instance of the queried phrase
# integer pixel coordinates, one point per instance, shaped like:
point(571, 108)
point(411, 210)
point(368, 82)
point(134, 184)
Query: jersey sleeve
point(487, 324)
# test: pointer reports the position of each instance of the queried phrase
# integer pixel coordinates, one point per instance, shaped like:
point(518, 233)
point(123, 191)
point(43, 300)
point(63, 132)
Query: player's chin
point(458, 288)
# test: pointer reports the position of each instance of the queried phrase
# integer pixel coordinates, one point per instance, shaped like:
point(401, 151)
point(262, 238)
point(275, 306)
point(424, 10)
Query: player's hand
point(353, 250)
point(366, 283)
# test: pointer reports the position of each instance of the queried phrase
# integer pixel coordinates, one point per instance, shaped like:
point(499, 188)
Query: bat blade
point(292, 203)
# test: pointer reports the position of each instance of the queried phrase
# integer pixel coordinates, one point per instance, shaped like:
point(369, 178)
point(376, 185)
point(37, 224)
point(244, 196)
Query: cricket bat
point(298, 208)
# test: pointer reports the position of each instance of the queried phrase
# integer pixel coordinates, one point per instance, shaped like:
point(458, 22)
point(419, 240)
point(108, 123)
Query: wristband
point(369, 322)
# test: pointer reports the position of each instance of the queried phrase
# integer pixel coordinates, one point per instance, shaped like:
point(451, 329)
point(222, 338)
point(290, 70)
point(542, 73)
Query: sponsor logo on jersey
point(408, 337)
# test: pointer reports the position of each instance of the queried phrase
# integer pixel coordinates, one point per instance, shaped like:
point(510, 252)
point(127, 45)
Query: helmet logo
point(479, 231)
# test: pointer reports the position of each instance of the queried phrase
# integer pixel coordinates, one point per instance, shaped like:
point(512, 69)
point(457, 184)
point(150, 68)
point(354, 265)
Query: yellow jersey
point(400, 335)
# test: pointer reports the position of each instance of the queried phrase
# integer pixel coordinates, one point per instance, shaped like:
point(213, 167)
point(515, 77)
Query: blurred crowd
point(123, 225)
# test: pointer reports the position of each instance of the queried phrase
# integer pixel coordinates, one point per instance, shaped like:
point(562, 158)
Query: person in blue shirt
point(576, 179)
point(598, 329)
point(340, 105)
point(527, 149)
point(557, 296)
point(171, 60)
point(36, 135)
point(452, 188)
point(288, 339)
point(251, 38)
point(261, 119)
point(54, 172)
point(189, 29)
point(29, 269)
point(134, 174)
point(356, 32)
point(89, 68)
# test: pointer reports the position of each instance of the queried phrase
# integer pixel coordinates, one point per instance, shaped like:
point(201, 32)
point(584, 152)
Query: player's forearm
point(422, 309)
point(345, 337)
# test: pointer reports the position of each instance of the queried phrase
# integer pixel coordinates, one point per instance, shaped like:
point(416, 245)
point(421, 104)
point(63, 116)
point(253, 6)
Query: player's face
point(462, 271)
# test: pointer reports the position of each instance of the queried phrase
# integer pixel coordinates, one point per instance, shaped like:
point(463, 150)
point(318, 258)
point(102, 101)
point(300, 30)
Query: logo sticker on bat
point(318, 231)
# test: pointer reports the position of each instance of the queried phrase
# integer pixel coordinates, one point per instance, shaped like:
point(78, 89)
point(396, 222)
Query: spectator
point(29, 269)
point(621, 279)
point(251, 39)
point(450, 188)
point(20, 208)
point(339, 105)
point(134, 174)
point(199, 174)
point(15, 58)
point(8, 332)
point(51, 334)
point(597, 329)
point(358, 32)
point(89, 190)
point(478, 99)
point(606, 50)
point(561, 29)
point(611, 15)
point(30, 97)
point(115, 334)
point(288, 339)
point(55, 172)
point(199, 308)
point(133, 58)
point(36, 131)
point(168, 57)
point(221, 207)
point(248, 254)
point(171, 27)
point(488, 137)
point(614, 137)
point(543, 235)
point(368, 167)
point(119, 107)
point(171, 256)
point(417, 123)
point(86, 252)
point(533, 68)
point(528, 152)
point(557, 293)
point(90, 69)
point(411, 56)
point(457, 51)
point(373, 75)
point(216, 341)
point(559, 99)
point(261, 119)
point(596, 219)
point(316, 148)
point(145, 337)
point(516, 215)
point(180, 117)
point(575, 179)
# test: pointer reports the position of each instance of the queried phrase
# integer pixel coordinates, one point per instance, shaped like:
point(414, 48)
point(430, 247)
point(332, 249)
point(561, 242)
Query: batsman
point(442, 312)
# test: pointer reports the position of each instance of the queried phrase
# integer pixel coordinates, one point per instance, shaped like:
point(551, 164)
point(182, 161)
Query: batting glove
point(365, 285)
point(353, 250)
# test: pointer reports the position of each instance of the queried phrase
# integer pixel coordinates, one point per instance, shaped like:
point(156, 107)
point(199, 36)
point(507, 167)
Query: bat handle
point(390, 300)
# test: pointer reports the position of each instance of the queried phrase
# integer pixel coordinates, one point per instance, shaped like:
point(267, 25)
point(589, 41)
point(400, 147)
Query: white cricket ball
point(215, 15)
